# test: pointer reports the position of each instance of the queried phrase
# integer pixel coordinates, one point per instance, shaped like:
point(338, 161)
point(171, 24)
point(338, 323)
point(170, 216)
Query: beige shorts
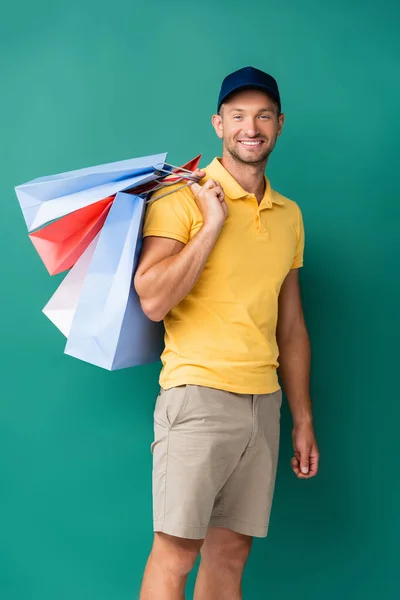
point(215, 456)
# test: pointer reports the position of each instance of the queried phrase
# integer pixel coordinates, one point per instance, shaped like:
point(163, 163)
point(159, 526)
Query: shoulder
point(172, 212)
point(175, 196)
point(290, 205)
point(291, 213)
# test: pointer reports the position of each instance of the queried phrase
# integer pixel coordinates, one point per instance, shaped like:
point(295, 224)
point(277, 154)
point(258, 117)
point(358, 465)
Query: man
point(219, 264)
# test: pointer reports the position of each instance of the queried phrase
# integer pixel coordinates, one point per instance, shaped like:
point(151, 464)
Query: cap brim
point(252, 86)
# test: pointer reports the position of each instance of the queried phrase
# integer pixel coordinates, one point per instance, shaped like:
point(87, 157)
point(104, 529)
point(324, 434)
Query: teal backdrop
point(89, 82)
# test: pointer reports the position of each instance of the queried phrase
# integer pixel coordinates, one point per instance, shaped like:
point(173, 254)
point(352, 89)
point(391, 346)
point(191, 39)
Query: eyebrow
point(243, 110)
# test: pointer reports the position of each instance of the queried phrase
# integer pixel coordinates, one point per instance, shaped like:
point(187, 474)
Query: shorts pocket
point(170, 405)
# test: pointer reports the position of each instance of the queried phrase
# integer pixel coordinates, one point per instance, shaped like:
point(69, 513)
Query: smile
point(247, 143)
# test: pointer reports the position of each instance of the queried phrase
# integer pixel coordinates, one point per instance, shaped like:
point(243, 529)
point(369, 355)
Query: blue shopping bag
point(47, 198)
point(109, 328)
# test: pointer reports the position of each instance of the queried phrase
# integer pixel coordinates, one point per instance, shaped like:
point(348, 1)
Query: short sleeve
point(298, 257)
point(170, 217)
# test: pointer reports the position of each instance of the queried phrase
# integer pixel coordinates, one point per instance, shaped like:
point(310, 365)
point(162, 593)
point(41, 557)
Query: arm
point(294, 349)
point(294, 371)
point(168, 270)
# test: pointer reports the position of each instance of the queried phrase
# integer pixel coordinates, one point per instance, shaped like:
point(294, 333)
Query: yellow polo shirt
point(223, 334)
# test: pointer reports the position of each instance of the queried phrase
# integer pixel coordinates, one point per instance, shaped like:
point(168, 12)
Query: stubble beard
point(262, 159)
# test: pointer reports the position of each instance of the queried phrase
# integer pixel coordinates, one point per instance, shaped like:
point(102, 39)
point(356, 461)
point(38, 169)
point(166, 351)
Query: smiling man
point(220, 266)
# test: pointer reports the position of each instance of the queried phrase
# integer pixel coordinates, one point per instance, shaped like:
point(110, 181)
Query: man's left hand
point(306, 455)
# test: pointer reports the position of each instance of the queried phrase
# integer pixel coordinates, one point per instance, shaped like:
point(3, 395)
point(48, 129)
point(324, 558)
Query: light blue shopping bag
point(109, 328)
point(47, 198)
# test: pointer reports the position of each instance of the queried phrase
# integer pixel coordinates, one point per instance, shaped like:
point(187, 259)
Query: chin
point(251, 159)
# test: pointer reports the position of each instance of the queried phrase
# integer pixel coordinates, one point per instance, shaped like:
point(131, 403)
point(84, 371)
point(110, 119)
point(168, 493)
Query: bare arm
point(294, 349)
point(294, 370)
point(168, 270)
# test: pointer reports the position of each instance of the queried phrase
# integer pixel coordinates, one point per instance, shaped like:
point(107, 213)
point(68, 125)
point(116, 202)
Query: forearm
point(294, 372)
point(165, 284)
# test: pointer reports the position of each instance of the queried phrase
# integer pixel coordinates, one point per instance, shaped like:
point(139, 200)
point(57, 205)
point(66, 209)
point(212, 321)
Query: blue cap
point(249, 77)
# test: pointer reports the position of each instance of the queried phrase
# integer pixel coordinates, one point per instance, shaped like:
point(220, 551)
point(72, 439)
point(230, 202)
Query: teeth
point(251, 143)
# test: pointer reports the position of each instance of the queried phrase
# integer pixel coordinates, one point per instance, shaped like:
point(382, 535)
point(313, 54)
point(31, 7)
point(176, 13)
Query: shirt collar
point(234, 190)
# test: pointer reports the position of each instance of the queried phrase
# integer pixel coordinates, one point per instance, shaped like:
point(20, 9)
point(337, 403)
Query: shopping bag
point(61, 243)
point(47, 198)
point(99, 238)
point(61, 307)
point(109, 328)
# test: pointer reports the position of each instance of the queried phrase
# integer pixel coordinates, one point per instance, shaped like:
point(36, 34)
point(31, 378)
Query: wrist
point(211, 228)
point(303, 420)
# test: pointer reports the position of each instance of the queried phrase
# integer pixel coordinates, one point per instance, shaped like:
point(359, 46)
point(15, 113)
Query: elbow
point(152, 310)
point(294, 336)
point(154, 316)
point(150, 306)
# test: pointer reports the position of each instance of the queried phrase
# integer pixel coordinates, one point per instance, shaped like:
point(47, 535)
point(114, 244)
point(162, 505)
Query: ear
point(217, 124)
point(281, 120)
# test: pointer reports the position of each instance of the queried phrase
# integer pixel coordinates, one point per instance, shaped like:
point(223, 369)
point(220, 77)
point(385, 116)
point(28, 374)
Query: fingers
point(199, 173)
point(314, 460)
point(296, 469)
point(297, 464)
point(210, 184)
point(195, 187)
point(304, 464)
point(220, 193)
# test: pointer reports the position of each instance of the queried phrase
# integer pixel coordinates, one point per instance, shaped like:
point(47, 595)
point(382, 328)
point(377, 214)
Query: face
point(249, 126)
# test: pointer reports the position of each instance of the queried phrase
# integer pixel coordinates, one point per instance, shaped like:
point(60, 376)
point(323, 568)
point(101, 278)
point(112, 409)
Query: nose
point(251, 128)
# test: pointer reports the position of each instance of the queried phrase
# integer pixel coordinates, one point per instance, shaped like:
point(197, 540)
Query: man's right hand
point(210, 199)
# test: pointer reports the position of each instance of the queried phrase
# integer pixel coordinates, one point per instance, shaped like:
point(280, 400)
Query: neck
point(249, 177)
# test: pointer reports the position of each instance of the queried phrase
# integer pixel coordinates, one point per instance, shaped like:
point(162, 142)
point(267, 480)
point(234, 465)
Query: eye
point(265, 117)
point(237, 117)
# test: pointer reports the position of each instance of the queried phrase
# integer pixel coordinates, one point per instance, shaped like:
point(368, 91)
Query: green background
point(84, 83)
